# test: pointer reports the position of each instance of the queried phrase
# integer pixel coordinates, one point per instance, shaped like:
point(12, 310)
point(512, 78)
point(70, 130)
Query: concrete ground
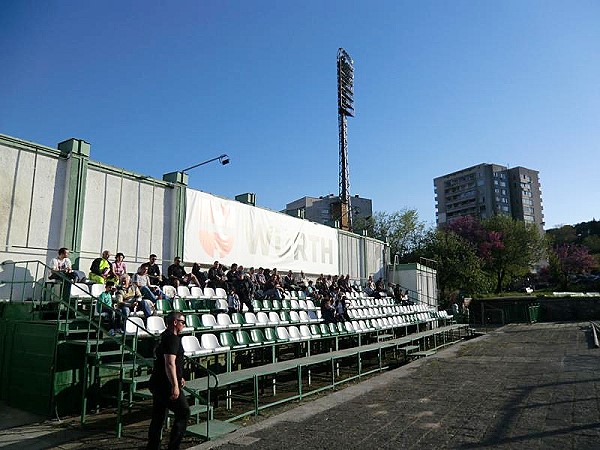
point(521, 386)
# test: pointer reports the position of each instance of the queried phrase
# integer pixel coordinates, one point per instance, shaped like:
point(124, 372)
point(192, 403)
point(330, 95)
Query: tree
point(458, 266)
point(402, 229)
point(570, 259)
point(563, 234)
point(510, 249)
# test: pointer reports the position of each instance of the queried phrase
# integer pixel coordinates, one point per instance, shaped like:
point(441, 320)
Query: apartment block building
point(325, 210)
point(485, 190)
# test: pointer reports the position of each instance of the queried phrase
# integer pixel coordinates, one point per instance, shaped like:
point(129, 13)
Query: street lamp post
point(223, 159)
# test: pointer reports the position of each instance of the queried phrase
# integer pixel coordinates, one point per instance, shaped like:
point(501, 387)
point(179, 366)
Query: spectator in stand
point(347, 283)
point(341, 310)
point(62, 265)
point(156, 278)
point(245, 291)
point(389, 291)
point(311, 291)
point(216, 276)
point(233, 301)
point(327, 310)
point(232, 276)
point(129, 298)
point(104, 306)
point(321, 285)
point(199, 274)
point(343, 283)
point(101, 270)
point(397, 293)
point(302, 281)
point(289, 282)
point(273, 289)
point(178, 276)
point(405, 297)
point(261, 281)
point(239, 275)
point(142, 281)
point(370, 287)
point(328, 282)
point(379, 289)
point(119, 267)
point(253, 276)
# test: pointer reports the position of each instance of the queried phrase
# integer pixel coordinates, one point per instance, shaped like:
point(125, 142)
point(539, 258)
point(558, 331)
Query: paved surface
point(522, 386)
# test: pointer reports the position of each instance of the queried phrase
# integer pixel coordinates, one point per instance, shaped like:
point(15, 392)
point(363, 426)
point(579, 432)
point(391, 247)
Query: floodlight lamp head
point(224, 160)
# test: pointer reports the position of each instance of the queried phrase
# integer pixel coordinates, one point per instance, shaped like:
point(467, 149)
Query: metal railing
point(21, 285)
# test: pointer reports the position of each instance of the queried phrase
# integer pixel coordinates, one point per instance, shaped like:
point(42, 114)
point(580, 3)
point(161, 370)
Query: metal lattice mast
point(345, 81)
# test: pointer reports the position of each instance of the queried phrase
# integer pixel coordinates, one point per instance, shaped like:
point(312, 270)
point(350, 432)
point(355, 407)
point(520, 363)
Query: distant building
point(326, 210)
point(489, 189)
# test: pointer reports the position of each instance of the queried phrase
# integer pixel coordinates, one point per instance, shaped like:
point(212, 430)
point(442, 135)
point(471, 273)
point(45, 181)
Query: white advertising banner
point(233, 232)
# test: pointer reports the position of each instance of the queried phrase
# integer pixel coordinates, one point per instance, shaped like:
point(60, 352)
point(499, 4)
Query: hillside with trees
point(493, 255)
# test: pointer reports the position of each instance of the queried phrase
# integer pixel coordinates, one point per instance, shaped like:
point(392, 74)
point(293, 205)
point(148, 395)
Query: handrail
point(91, 322)
point(195, 393)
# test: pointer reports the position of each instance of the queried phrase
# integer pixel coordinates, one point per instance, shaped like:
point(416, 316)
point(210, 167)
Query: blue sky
point(157, 86)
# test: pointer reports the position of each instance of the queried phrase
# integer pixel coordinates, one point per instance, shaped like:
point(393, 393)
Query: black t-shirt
point(170, 344)
point(176, 271)
point(153, 271)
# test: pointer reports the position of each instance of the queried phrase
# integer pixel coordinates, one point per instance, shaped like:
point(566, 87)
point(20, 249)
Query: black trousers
point(160, 404)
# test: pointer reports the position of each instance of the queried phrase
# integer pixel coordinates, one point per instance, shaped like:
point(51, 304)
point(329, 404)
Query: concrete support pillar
point(177, 219)
point(77, 152)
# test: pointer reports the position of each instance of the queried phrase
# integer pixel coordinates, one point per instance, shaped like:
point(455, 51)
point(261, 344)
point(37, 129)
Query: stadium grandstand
point(63, 352)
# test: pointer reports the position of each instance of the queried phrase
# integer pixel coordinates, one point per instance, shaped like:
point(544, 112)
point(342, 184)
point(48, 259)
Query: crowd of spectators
point(142, 289)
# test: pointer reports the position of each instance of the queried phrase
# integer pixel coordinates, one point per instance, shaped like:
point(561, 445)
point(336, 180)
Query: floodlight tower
point(345, 83)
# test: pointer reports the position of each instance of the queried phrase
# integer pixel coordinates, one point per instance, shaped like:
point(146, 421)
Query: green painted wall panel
point(30, 360)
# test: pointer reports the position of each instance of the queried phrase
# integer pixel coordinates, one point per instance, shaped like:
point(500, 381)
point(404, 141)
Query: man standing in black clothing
point(166, 384)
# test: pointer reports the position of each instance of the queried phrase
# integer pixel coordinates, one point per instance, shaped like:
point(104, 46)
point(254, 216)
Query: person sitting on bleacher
point(216, 276)
point(341, 310)
point(273, 289)
point(289, 282)
point(142, 281)
point(397, 294)
point(101, 270)
point(344, 283)
point(379, 289)
point(129, 298)
point(178, 276)
point(199, 274)
point(156, 278)
point(320, 284)
point(62, 265)
point(302, 281)
point(311, 291)
point(104, 306)
point(261, 280)
point(327, 310)
point(370, 287)
point(119, 267)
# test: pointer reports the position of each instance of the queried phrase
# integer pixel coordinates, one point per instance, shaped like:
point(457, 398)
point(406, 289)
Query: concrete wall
point(125, 214)
point(32, 180)
point(50, 198)
point(420, 280)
